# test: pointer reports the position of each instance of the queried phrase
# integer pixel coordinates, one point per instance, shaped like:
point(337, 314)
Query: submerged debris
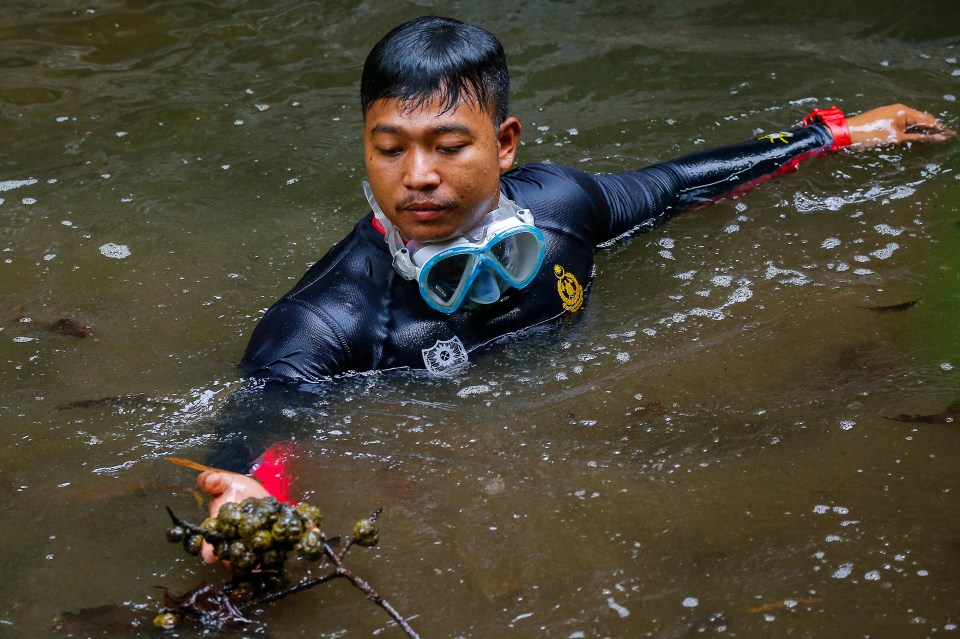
point(784, 604)
point(132, 400)
point(257, 536)
point(63, 326)
point(206, 603)
point(950, 416)
point(71, 327)
point(937, 418)
point(105, 621)
point(892, 308)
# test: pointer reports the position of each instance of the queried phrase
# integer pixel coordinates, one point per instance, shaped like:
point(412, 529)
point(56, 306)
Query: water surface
point(707, 450)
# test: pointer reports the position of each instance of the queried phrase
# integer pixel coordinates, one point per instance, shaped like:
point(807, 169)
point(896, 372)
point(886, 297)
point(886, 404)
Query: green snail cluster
point(262, 532)
point(256, 533)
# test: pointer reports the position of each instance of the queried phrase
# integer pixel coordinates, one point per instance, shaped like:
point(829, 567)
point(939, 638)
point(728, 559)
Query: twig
point(179, 522)
point(368, 590)
point(303, 585)
point(340, 570)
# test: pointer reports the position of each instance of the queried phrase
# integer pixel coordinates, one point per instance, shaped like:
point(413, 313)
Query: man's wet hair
point(433, 57)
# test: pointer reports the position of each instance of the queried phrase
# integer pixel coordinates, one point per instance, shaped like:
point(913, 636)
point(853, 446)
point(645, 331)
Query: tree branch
point(368, 590)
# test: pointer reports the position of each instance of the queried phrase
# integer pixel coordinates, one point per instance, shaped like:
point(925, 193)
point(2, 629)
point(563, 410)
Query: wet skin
point(435, 174)
point(223, 487)
point(895, 124)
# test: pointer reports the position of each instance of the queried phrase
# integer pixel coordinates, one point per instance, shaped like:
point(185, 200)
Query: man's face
point(436, 175)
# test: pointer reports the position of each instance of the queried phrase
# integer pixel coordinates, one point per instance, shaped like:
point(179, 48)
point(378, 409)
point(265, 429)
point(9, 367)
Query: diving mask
point(504, 250)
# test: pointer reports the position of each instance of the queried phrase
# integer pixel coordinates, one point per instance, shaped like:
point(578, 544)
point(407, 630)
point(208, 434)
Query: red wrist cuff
point(273, 472)
point(834, 120)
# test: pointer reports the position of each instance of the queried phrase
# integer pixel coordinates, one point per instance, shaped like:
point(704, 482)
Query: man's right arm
point(251, 449)
point(292, 351)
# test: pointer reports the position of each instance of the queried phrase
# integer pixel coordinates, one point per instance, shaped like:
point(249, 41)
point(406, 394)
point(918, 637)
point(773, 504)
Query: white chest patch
point(445, 357)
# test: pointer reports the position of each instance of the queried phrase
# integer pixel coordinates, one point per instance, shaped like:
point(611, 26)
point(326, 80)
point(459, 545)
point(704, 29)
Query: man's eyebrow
point(452, 128)
point(386, 128)
point(440, 129)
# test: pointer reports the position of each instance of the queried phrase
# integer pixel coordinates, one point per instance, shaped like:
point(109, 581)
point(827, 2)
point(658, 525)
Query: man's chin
point(426, 232)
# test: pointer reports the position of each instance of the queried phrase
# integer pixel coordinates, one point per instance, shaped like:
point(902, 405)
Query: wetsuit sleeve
point(643, 199)
point(252, 421)
point(295, 342)
point(253, 425)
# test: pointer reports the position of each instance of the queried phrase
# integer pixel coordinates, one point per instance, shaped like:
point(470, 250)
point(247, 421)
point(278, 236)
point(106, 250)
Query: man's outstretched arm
point(643, 199)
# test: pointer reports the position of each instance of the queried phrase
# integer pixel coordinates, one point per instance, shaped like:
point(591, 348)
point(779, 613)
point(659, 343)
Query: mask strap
point(515, 210)
point(388, 227)
point(401, 256)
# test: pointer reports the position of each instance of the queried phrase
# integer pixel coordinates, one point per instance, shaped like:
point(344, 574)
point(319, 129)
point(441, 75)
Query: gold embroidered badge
point(783, 136)
point(571, 293)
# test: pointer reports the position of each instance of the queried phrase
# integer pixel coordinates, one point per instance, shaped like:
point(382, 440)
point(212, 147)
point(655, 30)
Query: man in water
point(460, 250)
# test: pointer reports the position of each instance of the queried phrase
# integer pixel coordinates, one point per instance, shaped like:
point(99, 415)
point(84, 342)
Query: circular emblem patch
point(571, 293)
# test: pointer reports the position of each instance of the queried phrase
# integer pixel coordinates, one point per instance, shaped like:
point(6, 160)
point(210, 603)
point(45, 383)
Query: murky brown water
point(707, 451)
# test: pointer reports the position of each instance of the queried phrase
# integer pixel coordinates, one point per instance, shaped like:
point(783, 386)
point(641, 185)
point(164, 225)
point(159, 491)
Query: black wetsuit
point(352, 312)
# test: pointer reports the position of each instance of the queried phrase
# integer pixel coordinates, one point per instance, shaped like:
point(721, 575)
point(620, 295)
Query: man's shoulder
point(361, 254)
point(548, 189)
point(546, 175)
point(312, 332)
point(539, 169)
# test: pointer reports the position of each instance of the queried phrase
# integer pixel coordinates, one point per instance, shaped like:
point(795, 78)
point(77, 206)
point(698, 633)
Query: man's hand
point(895, 124)
point(223, 487)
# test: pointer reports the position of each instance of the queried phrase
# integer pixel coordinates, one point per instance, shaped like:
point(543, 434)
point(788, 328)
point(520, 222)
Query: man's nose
point(420, 171)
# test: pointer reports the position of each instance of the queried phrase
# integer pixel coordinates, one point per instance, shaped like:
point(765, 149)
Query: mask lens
point(518, 255)
point(505, 252)
point(444, 277)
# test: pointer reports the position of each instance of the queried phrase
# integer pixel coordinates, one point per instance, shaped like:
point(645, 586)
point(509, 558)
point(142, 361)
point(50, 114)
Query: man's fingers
point(925, 124)
point(932, 127)
point(927, 129)
point(212, 483)
point(924, 137)
point(940, 129)
point(207, 553)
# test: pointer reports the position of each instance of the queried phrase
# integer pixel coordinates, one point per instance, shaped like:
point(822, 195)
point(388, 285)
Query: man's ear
point(508, 138)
